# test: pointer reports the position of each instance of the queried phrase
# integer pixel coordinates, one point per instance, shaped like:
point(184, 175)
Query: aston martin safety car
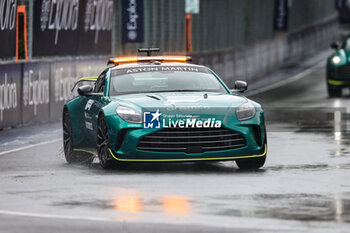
point(162, 109)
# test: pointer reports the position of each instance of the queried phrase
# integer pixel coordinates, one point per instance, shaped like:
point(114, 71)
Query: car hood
point(175, 99)
point(186, 103)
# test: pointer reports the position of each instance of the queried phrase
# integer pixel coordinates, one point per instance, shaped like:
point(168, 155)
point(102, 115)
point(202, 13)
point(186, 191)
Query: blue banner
point(281, 15)
point(132, 21)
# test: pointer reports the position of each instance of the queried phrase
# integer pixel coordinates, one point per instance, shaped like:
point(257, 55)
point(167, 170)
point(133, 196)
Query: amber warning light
point(121, 60)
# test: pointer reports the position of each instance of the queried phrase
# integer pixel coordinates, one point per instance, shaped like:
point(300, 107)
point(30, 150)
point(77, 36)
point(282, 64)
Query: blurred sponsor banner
point(75, 27)
point(281, 15)
point(63, 77)
point(10, 95)
point(132, 21)
point(35, 92)
point(8, 10)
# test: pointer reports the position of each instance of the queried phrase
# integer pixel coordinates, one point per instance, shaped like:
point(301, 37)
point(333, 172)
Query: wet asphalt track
point(304, 186)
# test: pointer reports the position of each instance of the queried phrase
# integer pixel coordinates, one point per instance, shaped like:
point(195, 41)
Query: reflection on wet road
point(304, 186)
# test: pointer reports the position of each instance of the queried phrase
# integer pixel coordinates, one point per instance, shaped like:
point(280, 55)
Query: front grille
point(344, 71)
point(192, 140)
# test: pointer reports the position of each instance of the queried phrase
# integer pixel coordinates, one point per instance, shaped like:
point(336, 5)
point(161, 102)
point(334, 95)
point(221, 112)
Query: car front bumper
point(124, 143)
point(338, 76)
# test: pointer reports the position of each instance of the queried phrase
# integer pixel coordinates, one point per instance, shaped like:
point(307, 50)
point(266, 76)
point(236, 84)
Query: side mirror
point(241, 86)
point(335, 45)
point(85, 90)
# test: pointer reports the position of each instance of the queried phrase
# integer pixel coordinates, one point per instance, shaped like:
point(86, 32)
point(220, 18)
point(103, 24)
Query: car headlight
point(245, 111)
point(336, 59)
point(129, 115)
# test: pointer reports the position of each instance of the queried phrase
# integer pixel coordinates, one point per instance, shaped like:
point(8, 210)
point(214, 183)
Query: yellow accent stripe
point(86, 151)
point(336, 82)
point(190, 159)
point(88, 78)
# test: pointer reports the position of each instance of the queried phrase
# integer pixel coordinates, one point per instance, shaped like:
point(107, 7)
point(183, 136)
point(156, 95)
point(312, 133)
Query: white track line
point(288, 80)
point(30, 146)
point(54, 216)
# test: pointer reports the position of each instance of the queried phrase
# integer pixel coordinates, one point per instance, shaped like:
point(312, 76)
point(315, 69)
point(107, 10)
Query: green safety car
point(162, 109)
point(338, 68)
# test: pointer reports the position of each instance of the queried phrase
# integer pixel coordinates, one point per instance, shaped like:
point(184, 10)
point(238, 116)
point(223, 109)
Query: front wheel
point(251, 164)
point(334, 91)
point(104, 155)
point(72, 156)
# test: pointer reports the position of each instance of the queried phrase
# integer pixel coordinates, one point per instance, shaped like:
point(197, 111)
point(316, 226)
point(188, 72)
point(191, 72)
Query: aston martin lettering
point(159, 69)
point(177, 68)
point(145, 69)
point(149, 69)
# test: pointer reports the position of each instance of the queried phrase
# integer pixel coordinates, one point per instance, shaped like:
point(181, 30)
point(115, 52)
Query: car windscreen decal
point(159, 69)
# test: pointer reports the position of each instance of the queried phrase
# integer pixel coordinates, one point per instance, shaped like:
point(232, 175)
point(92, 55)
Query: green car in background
point(161, 109)
point(338, 68)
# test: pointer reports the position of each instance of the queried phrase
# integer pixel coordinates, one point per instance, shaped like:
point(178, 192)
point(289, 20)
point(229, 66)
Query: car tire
point(103, 145)
point(72, 157)
point(334, 91)
point(251, 164)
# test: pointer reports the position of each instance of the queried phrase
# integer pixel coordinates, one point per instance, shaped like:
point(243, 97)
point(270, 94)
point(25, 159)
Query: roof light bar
point(121, 60)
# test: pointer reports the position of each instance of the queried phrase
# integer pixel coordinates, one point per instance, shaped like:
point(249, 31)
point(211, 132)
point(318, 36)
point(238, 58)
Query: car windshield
point(164, 81)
